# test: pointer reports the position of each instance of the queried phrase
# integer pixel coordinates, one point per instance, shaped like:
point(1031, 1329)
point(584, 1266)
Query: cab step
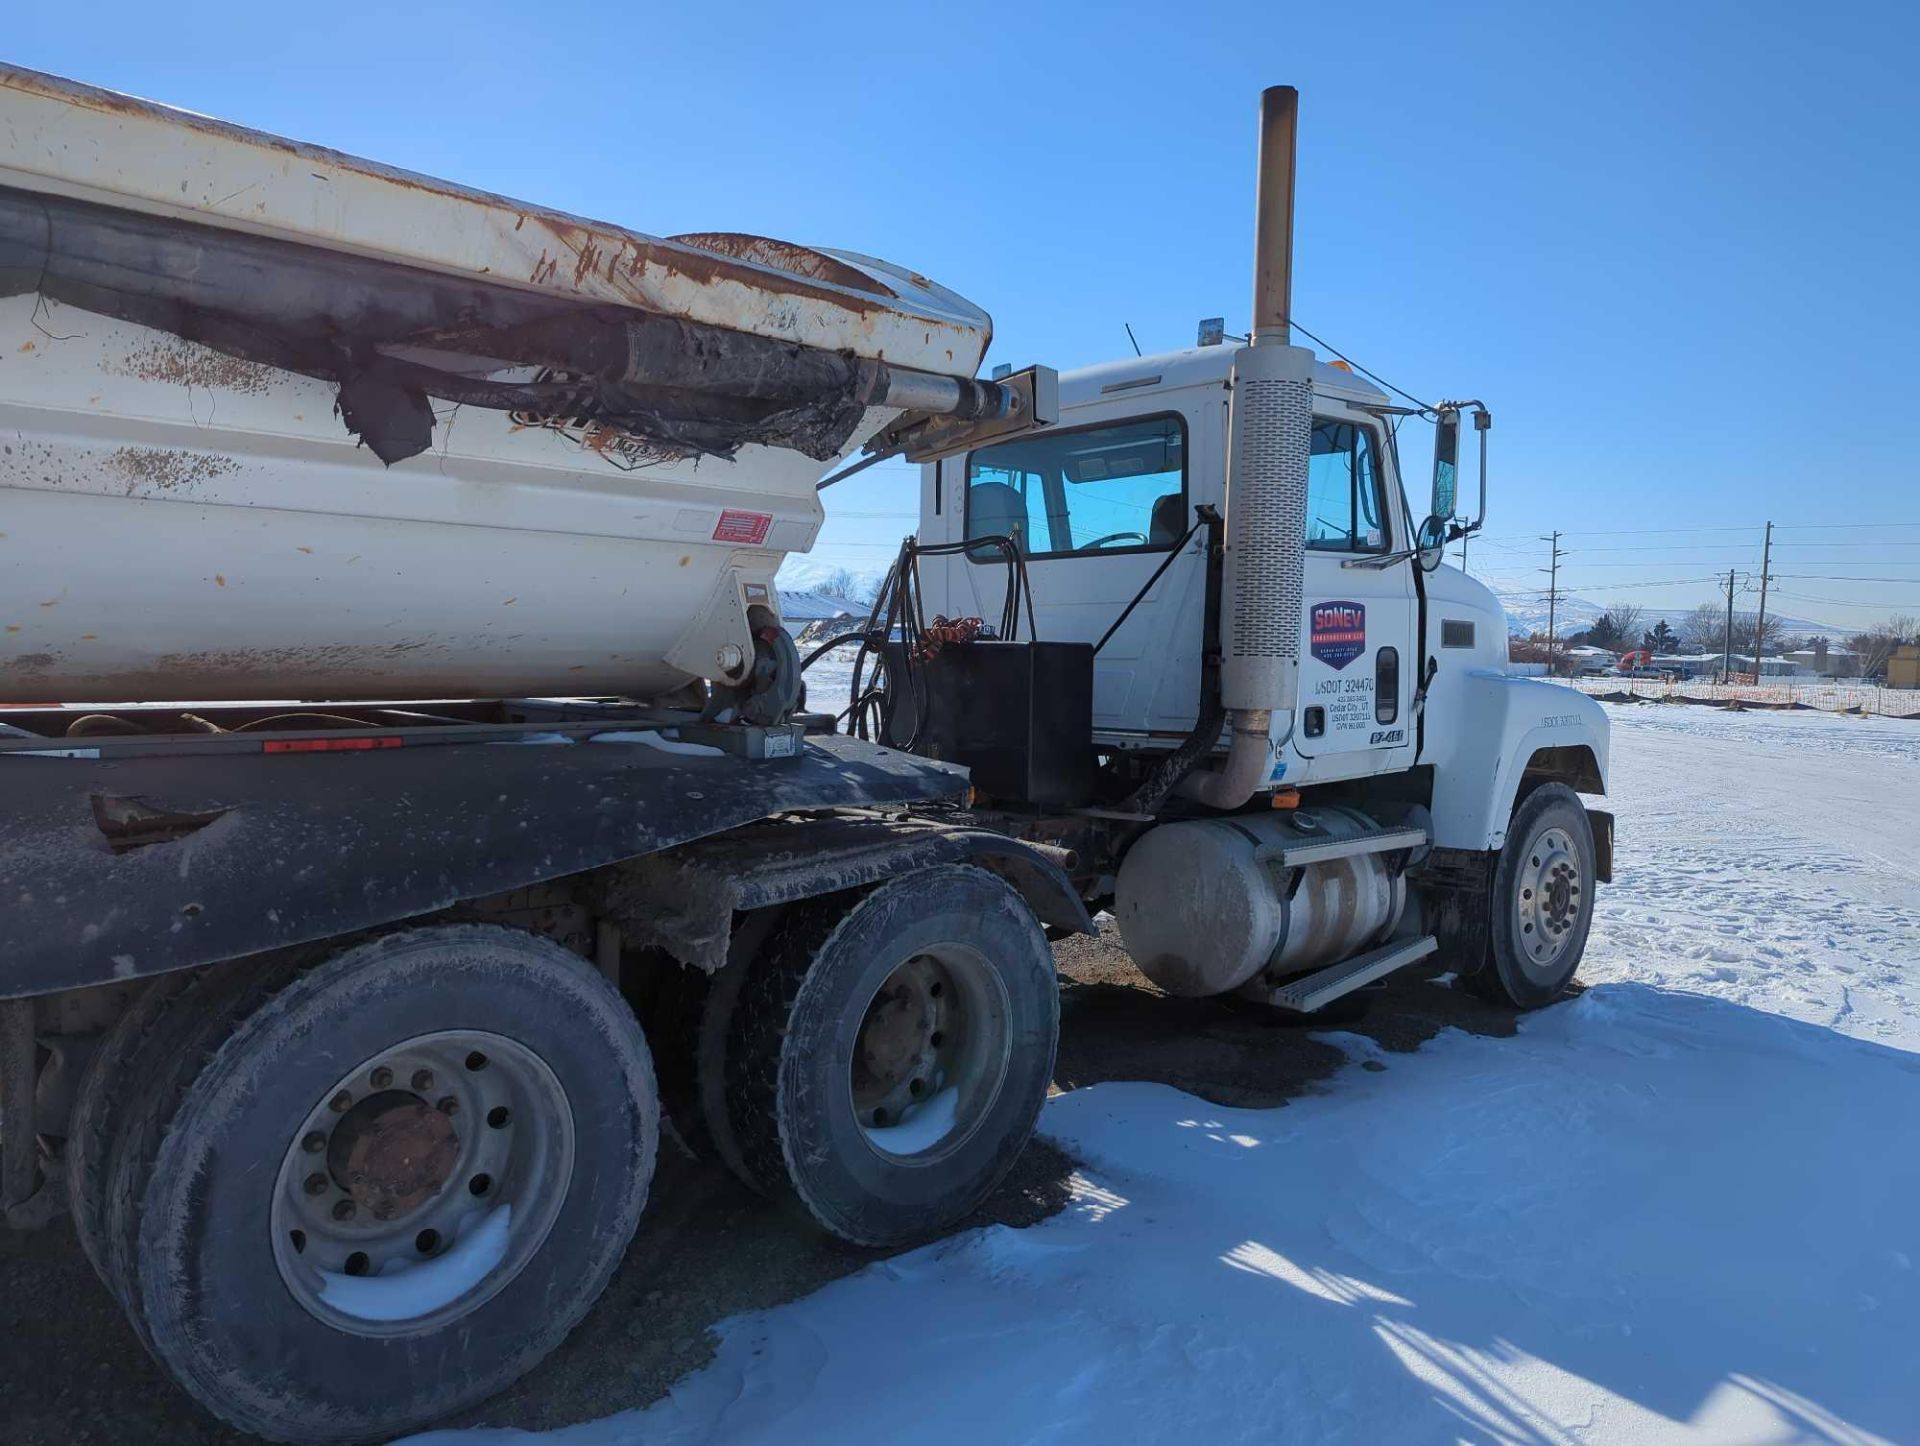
point(1296, 853)
point(1312, 991)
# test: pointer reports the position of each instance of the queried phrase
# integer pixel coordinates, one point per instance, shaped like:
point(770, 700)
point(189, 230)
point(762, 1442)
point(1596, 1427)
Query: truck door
point(1096, 505)
point(1358, 652)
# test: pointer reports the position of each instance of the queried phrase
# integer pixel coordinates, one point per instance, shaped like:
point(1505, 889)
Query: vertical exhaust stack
point(1271, 440)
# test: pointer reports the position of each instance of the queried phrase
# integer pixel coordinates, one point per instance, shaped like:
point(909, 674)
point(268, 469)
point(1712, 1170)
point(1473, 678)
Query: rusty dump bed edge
point(74, 140)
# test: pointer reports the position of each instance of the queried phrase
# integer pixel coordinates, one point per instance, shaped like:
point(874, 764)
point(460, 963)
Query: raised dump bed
point(282, 422)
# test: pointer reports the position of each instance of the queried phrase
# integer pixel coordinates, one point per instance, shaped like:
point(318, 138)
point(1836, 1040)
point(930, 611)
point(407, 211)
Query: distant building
point(799, 607)
point(813, 617)
point(1688, 666)
point(1589, 661)
point(1903, 666)
point(1825, 662)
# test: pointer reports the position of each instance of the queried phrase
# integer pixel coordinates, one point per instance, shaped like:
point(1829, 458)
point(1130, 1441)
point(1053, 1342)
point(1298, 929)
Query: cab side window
point(1345, 512)
point(1120, 487)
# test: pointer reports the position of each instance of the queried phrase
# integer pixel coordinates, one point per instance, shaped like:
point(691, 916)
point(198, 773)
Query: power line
point(1670, 531)
point(1832, 602)
point(1714, 562)
point(1370, 376)
point(1694, 546)
point(1539, 594)
point(1822, 526)
point(1841, 577)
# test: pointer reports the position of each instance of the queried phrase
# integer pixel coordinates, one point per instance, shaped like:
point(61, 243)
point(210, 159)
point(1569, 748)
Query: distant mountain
point(1527, 613)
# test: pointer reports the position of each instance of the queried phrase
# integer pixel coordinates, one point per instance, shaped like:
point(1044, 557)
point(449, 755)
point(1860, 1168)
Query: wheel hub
point(1550, 898)
point(392, 1152)
point(422, 1182)
point(895, 1048)
point(930, 1055)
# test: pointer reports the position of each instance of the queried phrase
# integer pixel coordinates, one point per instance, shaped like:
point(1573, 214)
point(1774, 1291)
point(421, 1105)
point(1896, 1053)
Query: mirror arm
point(1380, 560)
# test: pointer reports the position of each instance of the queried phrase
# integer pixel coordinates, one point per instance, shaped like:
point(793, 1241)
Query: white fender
point(1480, 744)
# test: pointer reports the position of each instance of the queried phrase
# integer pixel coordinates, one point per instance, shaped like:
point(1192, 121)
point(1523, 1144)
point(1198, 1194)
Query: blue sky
point(1671, 244)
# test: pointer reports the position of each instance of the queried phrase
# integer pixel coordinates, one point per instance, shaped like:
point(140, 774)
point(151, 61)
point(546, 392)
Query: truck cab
point(1396, 650)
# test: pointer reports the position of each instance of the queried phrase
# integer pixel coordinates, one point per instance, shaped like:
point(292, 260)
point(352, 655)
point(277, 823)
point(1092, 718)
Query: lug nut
point(341, 1103)
point(343, 1210)
point(381, 1078)
point(314, 1142)
point(316, 1184)
point(423, 1080)
point(448, 1106)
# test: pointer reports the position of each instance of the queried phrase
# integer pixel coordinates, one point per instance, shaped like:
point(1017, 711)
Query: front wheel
point(394, 1185)
point(889, 1053)
point(1542, 900)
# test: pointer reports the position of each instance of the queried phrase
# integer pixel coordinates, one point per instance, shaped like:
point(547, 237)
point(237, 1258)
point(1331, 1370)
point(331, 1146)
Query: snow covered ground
point(1683, 1207)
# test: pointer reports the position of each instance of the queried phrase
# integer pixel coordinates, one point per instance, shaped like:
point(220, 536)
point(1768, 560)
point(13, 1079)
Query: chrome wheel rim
point(422, 1183)
point(1549, 901)
point(932, 1055)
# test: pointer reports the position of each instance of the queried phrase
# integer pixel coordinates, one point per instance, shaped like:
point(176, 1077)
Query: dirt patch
point(708, 1248)
point(150, 470)
point(188, 364)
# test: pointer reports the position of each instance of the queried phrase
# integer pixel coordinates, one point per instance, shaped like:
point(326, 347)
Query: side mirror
point(1430, 543)
point(1446, 463)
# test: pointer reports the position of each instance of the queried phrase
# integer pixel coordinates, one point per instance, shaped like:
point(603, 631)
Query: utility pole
point(1726, 638)
point(1760, 619)
point(1553, 598)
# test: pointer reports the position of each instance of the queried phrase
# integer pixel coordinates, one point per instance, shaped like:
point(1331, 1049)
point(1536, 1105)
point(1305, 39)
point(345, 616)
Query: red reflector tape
point(326, 745)
point(748, 527)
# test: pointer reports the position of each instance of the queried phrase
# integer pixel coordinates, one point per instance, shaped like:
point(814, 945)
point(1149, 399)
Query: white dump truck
point(408, 794)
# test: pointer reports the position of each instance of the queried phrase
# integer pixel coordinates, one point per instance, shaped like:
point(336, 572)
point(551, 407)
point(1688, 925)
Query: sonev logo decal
point(1337, 632)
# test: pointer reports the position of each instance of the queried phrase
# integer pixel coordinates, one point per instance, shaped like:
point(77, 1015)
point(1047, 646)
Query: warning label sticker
point(746, 527)
point(1337, 632)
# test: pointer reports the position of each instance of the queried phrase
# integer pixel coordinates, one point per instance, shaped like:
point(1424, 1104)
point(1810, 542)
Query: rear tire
point(261, 1328)
point(889, 1053)
point(689, 1019)
point(107, 1094)
point(189, 1026)
point(1541, 903)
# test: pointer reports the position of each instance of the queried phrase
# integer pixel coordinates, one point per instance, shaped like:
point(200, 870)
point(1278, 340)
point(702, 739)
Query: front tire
point(889, 1053)
point(1541, 905)
point(394, 1185)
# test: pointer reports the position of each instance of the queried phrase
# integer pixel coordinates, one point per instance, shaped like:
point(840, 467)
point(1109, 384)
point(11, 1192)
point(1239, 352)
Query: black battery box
point(1018, 715)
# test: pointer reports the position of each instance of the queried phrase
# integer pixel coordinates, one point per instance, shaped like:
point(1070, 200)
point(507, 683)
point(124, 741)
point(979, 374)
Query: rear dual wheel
point(348, 1200)
point(879, 1059)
